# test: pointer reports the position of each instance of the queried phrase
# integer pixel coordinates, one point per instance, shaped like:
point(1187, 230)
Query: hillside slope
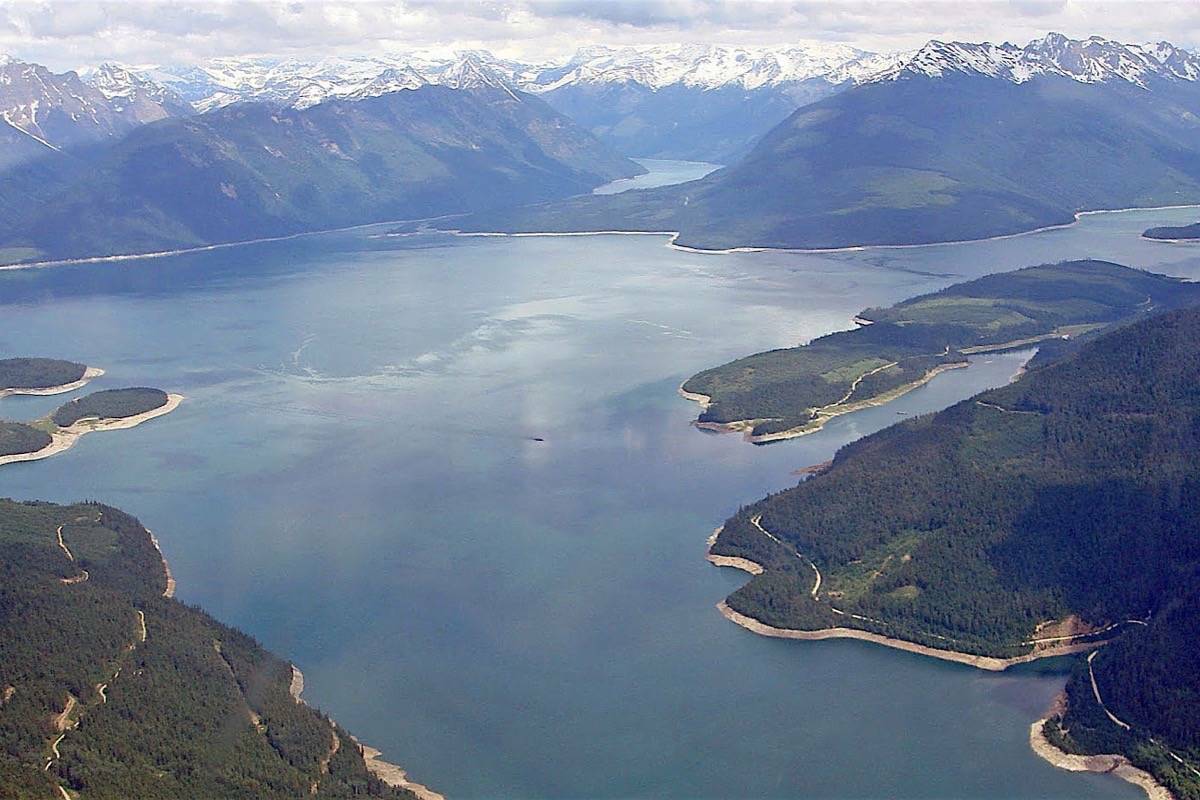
point(251, 171)
point(110, 689)
point(795, 390)
point(963, 141)
point(1059, 509)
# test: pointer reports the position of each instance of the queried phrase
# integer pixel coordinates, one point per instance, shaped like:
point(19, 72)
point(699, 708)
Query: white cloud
point(66, 33)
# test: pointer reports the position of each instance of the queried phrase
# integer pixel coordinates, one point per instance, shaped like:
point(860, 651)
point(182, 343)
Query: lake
point(355, 479)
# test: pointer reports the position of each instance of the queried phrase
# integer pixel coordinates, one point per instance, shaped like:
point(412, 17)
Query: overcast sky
point(66, 34)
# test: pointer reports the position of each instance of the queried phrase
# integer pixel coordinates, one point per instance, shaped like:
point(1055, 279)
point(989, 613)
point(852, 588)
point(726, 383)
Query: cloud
point(67, 33)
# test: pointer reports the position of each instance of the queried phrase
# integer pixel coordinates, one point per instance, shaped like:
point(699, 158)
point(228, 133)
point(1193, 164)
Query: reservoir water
point(356, 478)
point(659, 172)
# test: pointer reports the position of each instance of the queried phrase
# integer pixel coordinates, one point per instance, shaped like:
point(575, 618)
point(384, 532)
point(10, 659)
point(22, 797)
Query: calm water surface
point(353, 479)
point(660, 172)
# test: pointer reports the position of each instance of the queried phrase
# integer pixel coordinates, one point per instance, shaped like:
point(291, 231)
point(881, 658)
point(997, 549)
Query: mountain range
point(954, 141)
point(694, 101)
point(253, 170)
point(958, 141)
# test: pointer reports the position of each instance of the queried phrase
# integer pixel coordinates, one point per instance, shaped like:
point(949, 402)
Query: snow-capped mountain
point(709, 66)
point(1094, 60)
point(301, 84)
point(701, 102)
point(44, 111)
point(131, 93)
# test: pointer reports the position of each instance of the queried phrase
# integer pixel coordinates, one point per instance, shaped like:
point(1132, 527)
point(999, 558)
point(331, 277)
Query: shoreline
point(673, 244)
point(1104, 763)
point(744, 564)
point(989, 663)
point(391, 774)
point(822, 415)
point(64, 439)
point(168, 592)
point(89, 374)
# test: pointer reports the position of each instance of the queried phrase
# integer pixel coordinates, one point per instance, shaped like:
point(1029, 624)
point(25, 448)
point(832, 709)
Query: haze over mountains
point(959, 141)
point(267, 147)
point(701, 102)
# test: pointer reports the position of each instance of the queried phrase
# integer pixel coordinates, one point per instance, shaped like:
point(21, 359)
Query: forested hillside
point(109, 689)
point(1062, 507)
point(253, 170)
point(1174, 233)
point(949, 155)
point(795, 390)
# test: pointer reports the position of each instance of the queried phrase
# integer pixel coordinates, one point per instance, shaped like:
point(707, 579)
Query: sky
point(66, 34)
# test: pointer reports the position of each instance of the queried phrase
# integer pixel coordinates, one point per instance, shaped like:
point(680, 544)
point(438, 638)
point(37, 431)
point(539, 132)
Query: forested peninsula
point(1057, 513)
point(794, 391)
point(109, 688)
point(1178, 233)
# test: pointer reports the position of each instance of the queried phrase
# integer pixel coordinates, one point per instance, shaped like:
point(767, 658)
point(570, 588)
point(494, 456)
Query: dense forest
point(38, 373)
point(17, 437)
point(109, 404)
point(796, 389)
point(109, 689)
point(1170, 233)
point(1071, 495)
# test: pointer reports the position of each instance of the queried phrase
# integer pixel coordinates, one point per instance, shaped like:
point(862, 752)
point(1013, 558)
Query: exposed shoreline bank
point(64, 439)
point(89, 374)
point(989, 663)
point(744, 564)
point(169, 592)
point(822, 415)
point(1106, 763)
point(673, 244)
point(391, 774)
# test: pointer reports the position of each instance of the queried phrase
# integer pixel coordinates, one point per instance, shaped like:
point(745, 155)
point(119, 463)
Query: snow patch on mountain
point(1093, 60)
point(700, 66)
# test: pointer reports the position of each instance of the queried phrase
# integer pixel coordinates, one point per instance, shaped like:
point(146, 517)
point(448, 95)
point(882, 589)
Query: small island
point(791, 392)
point(43, 376)
point(1052, 516)
point(110, 409)
point(1179, 233)
point(98, 661)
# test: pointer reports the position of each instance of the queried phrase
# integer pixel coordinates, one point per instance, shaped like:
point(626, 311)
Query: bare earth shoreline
point(389, 773)
point(65, 438)
point(88, 374)
point(1106, 763)
point(674, 235)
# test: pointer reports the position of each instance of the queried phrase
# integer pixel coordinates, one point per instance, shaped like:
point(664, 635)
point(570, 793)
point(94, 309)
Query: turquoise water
point(353, 479)
point(660, 172)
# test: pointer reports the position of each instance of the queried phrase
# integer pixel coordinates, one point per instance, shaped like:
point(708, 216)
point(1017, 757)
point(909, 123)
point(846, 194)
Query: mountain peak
point(393, 79)
point(1091, 60)
point(471, 71)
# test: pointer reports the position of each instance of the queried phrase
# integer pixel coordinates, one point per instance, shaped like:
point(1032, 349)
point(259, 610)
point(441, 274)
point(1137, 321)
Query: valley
point(434, 312)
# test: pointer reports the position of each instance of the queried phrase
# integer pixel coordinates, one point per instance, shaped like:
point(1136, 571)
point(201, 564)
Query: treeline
point(197, 709)
point(1073, 491)
point(110, 404)
point(784, 386)
point(16, 437)
point(38, 373)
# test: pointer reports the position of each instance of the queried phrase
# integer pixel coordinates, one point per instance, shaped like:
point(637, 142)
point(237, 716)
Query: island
point(794, 391)
point(1052, 516)
point(110, 688)
point(110, 409)
point(1179, 233)
point(43, 376)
